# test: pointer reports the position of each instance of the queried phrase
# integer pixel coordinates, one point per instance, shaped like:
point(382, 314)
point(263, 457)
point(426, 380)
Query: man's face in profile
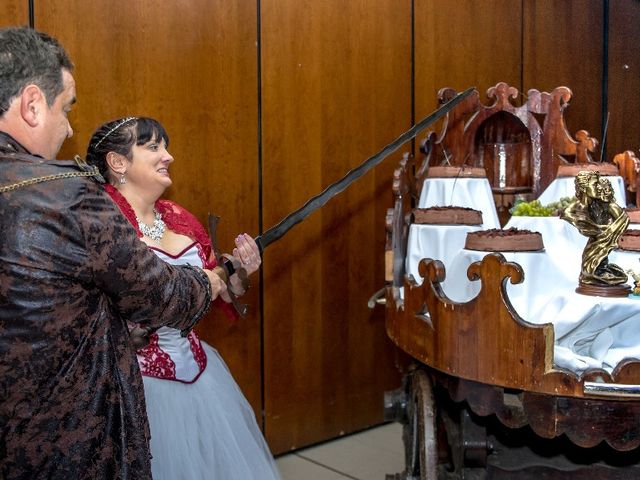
point(55, 127)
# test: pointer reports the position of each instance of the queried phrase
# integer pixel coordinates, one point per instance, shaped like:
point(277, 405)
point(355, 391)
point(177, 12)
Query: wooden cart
point(484, 399)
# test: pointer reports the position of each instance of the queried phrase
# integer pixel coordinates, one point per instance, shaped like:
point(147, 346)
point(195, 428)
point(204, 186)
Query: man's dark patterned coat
point(71, 270)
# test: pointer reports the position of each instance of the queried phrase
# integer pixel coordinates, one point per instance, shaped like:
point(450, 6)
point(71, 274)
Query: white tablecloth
point(564, 244)
point(566, 187)
point(523, 296)
point(439, 242)
point(589, 331)
point(443, 242)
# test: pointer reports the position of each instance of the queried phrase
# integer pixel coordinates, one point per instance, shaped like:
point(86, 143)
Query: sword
point(318, 201)
point(314, 203)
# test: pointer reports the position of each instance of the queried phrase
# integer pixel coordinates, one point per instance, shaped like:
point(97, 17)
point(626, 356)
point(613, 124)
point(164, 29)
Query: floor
point(368, 455)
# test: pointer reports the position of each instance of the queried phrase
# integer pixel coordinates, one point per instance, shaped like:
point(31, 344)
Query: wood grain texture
point(194, 68)
point(624, 77)
point(563, 46)
point(336, 88)
point(14, 13)
point(464, 44)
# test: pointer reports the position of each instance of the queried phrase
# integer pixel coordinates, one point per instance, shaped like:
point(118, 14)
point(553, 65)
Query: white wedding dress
point(202, 427)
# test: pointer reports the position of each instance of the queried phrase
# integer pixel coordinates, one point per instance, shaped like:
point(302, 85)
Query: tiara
point(113, 129)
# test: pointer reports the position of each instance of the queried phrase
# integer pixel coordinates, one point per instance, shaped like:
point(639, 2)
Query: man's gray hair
point(30, 57)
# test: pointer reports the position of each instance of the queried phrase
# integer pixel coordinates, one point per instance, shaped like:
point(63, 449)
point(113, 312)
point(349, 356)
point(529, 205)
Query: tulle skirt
point(205, 430)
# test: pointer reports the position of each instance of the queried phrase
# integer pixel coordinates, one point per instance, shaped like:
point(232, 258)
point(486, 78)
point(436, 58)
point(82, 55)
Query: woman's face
point(149, 166)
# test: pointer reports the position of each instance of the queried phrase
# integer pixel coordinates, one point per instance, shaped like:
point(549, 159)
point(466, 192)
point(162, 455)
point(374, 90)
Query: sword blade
point(319, 200)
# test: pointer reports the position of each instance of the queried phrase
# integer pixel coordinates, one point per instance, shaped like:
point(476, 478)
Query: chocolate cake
point(630, 240)
point(571, 170)
point(447, 216)
point(456, 172)
point(509, 240)
point(634, 214)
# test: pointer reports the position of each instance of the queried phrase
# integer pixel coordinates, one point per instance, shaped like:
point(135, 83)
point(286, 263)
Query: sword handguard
point(225, 268)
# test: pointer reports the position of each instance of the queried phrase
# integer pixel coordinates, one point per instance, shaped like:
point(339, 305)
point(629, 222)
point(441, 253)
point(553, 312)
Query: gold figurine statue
point(596, 215)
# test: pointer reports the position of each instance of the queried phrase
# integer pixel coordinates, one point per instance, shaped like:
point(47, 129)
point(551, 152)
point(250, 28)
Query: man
point(71, 270)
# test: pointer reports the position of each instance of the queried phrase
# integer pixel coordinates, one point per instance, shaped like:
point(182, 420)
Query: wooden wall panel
point(193, 65)
point(14, 12)
point(563, 45)
point(336, 88)
point(465, 43)
point(624, 77)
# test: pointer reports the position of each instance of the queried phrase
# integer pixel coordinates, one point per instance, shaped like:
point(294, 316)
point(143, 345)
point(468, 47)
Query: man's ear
point(117, 163)
point(32, 101)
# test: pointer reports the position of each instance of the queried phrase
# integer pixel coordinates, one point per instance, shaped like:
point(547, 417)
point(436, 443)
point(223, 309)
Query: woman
point(202, 427)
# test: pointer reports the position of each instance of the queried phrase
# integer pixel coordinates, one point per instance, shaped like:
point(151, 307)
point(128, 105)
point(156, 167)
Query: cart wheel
point(467, 441)
point(419, 435)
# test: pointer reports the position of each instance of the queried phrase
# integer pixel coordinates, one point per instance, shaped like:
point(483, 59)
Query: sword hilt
point(260, 242)
point(225, 268)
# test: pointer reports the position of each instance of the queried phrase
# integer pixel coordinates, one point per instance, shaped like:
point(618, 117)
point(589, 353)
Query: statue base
point(604, 290)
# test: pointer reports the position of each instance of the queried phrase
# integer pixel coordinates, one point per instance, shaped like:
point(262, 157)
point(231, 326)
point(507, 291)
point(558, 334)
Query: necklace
point(157, 230)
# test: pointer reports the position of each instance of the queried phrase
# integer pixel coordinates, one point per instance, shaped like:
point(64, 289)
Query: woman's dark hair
point(120, 136)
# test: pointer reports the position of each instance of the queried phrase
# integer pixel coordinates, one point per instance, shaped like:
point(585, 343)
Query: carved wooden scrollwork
point(548, 149)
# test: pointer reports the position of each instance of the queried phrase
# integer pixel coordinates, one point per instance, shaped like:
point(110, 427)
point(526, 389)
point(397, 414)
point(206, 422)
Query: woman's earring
point(122, 179)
